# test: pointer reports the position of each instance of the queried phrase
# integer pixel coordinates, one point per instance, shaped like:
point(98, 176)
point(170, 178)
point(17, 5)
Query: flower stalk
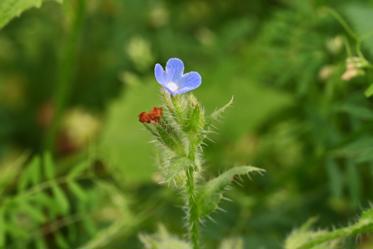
point(180, 127)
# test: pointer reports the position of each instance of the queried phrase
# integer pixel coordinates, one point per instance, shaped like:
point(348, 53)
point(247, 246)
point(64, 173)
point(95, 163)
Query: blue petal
point(160, 74)
point(174, 69)
point(190, 80)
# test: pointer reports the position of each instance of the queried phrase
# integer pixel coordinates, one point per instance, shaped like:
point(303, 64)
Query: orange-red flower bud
point(154, 116)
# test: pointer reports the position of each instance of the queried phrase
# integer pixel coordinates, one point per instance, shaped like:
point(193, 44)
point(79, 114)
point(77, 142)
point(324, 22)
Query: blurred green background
point(77, 169)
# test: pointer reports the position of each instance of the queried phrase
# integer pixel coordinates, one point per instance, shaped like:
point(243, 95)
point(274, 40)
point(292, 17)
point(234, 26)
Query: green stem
point(343, 23)
point(192, 170)
point(192, 209)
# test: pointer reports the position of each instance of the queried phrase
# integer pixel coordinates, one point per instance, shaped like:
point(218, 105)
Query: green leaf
point(40, 243)
point(31, 174)
point(61, 199)
point(356, 110)
point(48, 166)
point(79, 169)
point(359, 150)
point(369, 91)
point(335, 178)
point(10, 170)
point(10, 9)
point(61, 241)
point(89, 225)
point(33, 211)
point(212, 192)
point(354, 183)
point(77, 190)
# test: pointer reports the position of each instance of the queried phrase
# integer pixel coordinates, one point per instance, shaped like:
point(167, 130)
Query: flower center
point(172, 86)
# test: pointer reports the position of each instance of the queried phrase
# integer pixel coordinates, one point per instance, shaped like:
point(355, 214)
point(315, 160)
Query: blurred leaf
point(357, 110)
point(103, 237)
point(13, 8)
point(354, 183)
point(2, 228)
point(10, 169)
point(79, 169)
point(77, 190)
point(232, 243)
point(335, 178)
point(124, 141)
point(31, 175)
point(369, 91)
point(63, 203)
point(163, 240)
point(40, 243)
point(61, 241)
point(359, 150)
point(48, 166)
point(33, 211)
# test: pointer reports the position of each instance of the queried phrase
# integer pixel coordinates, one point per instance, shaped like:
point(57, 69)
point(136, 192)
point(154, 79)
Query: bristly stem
point(191, 190)
point(192, 208)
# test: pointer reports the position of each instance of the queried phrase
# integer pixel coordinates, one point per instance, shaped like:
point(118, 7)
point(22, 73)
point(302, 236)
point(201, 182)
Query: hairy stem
point(192, 209)
point(338, 233)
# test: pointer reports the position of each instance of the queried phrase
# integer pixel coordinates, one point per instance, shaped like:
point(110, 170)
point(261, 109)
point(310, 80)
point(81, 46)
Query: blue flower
point(173, 78)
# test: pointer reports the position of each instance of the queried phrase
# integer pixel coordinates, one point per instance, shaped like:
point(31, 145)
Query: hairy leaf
point(301, 236)
point(219, 112)
point(212, 192)
point(305, 238)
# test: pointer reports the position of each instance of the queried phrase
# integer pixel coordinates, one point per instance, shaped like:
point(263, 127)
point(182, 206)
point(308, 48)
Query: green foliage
point(45, 202)
point(40, 189)
point(10, 9)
